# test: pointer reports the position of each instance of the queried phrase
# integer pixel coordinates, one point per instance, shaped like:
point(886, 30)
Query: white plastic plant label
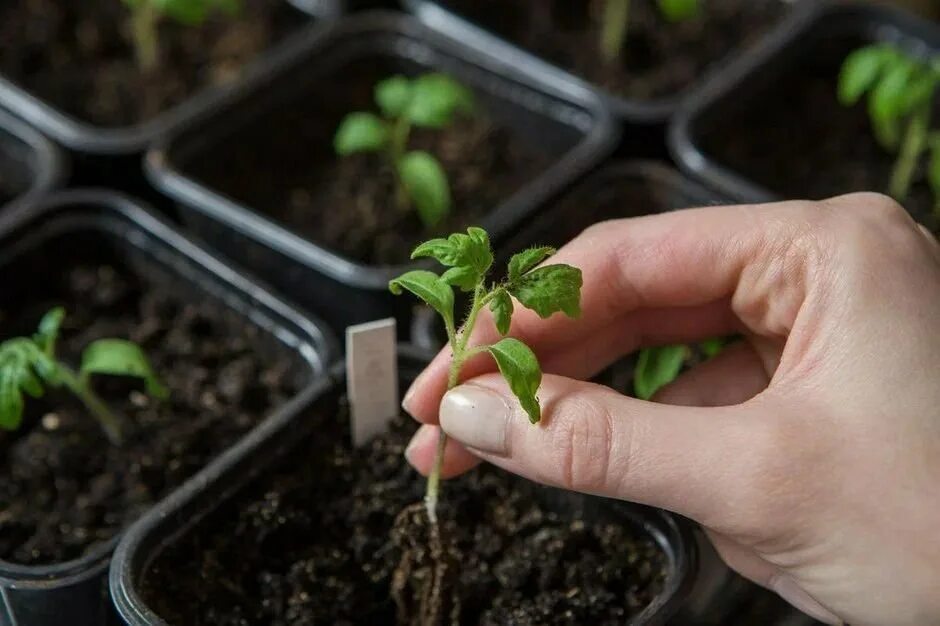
point(371, 378)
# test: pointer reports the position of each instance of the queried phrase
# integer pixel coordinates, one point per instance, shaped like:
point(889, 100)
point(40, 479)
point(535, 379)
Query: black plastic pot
point(516, 59)
point(75, 593)
point(182, 513)
point(32, 162)
point(564, 121)
point(758, 78)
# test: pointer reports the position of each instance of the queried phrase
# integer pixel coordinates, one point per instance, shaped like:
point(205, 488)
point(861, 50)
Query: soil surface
point(659, 58)
point(310, 544)
point(799, 142)
point(65, 488)
point(284, 167)
point(79, 56)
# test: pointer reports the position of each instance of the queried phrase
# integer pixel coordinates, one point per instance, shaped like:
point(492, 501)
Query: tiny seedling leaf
point(430, 288)
point(656, 368)
point(444, 250)
point(360, 132)
point(427, 186)
point(11, 399)
point(435, 99)
point(393, 95)
point(526, 260)
point(520, 367)
point(860, 71)
point(550, 289)
point(48, 332)
point(117, 357)
point(501, 306)
point(678, 10)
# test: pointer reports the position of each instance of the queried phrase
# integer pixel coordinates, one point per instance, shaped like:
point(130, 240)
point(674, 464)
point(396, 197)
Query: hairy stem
point(614, 21)
point(146, 40)
point(913, 146)
point(109, 422)
point(401, 131)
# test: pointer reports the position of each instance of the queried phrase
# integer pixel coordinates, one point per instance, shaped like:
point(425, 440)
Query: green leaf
point(464, 277)
point(360, 132)
point(444, 250)
point(11, 400)
point(678, 10)
point(48, 331)
point(435, 99)
point(887, 98)
point(117, 357)
point(656, 368)
point(859, 72)
point(429, 287)
point(393, 95)
point(426, 183)
point(712, 347)
point(524, 261)
point(520, 367)
point(23, 367)
point(919, 92)
point(550, 289)
point(501, 307)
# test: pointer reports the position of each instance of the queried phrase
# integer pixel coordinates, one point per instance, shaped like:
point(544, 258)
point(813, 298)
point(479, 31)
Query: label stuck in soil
point(371, 378)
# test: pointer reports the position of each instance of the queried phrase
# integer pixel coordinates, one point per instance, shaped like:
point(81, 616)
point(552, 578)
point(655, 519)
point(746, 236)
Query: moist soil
point(66, 489)
point(285, 167)
point(659, 58)
point(310, 543)
point(79, 56)
point(799, 142)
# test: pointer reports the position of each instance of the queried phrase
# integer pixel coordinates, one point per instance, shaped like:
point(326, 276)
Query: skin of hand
point(810, 452)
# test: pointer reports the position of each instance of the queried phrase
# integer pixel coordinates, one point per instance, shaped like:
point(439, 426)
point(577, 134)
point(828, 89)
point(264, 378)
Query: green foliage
point(657, 367)
point(520, 367)
point(678, 10)
point(428, 101)
point(901, 90)
point(28, 365)
point(615, 21)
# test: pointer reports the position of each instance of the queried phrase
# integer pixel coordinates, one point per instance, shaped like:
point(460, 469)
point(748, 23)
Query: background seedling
point(147, 14)
point(28, 365)
point(615, 21)
point(901, 93)
point(657, 367)
point(428, 101)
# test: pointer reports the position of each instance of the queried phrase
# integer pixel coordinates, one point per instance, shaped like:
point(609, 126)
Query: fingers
point(594, 440)
point(732, 377)
point(420, 453)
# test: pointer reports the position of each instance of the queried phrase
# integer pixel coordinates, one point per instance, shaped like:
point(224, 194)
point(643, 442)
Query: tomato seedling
point(657, 367)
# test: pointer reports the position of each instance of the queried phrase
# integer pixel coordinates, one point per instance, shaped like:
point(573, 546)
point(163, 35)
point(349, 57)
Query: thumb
point(591, 439)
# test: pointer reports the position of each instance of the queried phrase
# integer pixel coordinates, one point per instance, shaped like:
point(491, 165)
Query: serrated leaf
point(520, 367)
point(526, 260)
point(427, 186)
point(360, 132)
point(117, 357)
point(463, 277)
point(435, 99)
point(48, 332)
point(429, 287)
point(501, 306)
point(444, 250)
point(860, 71)
point(656, 368)
point(393, 95)
point(678, 10)
point(473, 250)
point(550, 289)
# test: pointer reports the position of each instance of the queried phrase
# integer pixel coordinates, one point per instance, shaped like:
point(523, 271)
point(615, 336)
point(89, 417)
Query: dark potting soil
point(79, 56)
point(66, 489)
point(310, 544)
point(799, 142)
point(659, 58)
point(283, 165)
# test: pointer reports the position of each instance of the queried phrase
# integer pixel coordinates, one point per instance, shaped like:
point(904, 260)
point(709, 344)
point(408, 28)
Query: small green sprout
point(615, 21)
point(146, 16)
point(428, 101)
point(29, 365)
point(657, 367)
point(545, 289)
point(901, 93)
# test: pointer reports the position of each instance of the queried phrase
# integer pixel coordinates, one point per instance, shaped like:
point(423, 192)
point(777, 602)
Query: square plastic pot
point(32, 162)
point(182, 513)
point(568, 123)
point(75, 593)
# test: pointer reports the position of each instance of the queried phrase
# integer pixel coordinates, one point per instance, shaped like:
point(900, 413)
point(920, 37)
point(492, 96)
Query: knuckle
point(582, 440)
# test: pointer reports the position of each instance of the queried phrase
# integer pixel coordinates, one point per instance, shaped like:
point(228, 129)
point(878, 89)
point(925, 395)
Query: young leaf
point(656, 368)
point(393, 95)
point(550, 289)
point(435, 99)
point(463, 277)
point(23, 367)
point(429, 287)
point(678, 10)
point(11, 399)
point(444, 250)
point(473, 250)
point(360, 132)
point(520, 367)
point(427, 186)
point(117, 357)
point(501, 306)
point(887, 98)
point(524, 261)
point(48, 331)
point(859, 72)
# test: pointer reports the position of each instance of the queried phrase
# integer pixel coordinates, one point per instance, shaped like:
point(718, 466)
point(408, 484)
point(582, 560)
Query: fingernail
point(789, 590)
point(417, 440)
point(407, 401)
point(476, 416)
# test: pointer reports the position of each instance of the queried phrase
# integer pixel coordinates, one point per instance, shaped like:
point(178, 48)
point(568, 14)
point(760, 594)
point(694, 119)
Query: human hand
point(810, 453)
